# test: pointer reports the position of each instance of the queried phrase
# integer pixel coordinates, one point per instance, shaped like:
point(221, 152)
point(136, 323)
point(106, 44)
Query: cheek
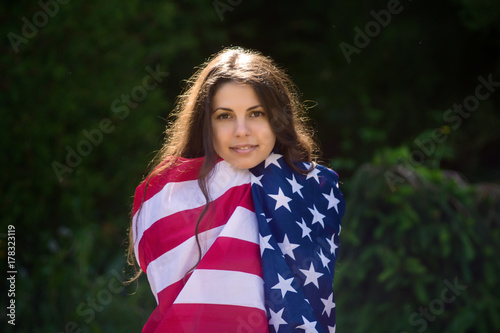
point(270, 136)
point(218, 137)
point(272, 140)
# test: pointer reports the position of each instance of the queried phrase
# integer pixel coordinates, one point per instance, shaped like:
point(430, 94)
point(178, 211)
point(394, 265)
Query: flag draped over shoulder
point(299, 225)
point(225, 291)
point(268, 243)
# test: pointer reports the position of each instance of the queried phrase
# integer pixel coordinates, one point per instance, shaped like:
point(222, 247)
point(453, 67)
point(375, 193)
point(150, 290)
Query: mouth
point(242, 149)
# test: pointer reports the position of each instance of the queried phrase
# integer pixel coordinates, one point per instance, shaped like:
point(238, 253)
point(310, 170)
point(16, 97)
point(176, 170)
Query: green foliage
point(403, 243)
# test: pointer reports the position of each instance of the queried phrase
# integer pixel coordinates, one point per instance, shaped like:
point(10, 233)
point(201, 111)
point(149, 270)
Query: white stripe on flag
point(171, 266)
point(208, 286)
point(242, 225)
point(176, 197)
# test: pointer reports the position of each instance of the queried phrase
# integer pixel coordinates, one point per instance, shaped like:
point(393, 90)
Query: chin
point(242, 165)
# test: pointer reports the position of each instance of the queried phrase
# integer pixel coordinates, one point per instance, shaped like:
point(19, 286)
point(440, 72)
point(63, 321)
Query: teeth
point(243, 148)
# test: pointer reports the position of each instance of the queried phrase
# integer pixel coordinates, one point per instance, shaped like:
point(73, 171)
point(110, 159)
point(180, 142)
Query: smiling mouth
point(243, 149)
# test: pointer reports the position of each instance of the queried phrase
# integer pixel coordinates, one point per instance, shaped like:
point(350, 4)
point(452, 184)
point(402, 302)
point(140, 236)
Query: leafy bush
point(405, 243)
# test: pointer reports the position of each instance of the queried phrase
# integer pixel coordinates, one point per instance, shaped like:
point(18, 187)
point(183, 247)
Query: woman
point(236, 226)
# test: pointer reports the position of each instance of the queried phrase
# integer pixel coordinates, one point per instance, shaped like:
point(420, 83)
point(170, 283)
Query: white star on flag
point(333, 246)
point(273, 159)
point(276, 319)
point(331, 329)
point(281, 200)
point(329, 304)
point(324, 260)
point(308, 326)
point(264, 244)
point(311, 276)
point(332, 200)
point(256, 180)
point(306, 210)
point(317, 216)
point(305, 229)
point(268, 219)
point(284, 285)
point(287, 247)
point(295, 186)
point(313, 174)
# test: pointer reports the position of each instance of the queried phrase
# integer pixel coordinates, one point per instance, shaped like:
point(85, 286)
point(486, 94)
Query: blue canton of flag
point(299, 225)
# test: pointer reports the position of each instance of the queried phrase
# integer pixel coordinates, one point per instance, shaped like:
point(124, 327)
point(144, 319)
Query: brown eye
point(223, 116)
point(256, 114)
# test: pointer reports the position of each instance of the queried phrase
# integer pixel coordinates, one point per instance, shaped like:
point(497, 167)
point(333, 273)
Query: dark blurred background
point(406, 100)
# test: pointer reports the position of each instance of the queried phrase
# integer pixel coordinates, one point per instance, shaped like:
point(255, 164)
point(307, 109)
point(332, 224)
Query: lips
point(243, 148)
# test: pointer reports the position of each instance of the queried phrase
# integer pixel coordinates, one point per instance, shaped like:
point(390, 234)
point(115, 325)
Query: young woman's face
point(242, 134)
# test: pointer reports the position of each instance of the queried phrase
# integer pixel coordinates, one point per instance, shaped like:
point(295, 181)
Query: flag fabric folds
point(225, 291)
point(299, 225)
point(268, 247)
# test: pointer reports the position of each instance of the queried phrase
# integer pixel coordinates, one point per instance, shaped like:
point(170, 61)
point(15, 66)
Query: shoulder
point(168, 171)
point(327, 172)
point(318, 172)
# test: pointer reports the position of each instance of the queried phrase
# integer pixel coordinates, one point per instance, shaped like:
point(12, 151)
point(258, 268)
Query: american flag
point(256, 239)
point(299, 225)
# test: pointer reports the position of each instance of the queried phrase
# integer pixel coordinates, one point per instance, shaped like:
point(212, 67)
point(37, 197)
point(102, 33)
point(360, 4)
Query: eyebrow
point(249, 109)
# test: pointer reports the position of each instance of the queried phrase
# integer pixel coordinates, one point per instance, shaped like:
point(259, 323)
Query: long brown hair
point(190, 134)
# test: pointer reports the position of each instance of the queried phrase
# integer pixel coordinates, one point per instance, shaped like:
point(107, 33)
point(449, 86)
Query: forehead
point(235, 95)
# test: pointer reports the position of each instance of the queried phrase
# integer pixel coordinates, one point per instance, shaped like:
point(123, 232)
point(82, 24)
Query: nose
point(242, 128)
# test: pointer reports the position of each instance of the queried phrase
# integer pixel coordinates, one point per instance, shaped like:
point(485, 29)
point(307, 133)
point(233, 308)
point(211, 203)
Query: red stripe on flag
point(225, 254)
point(168, 295)
point(153, 321)
point(233, 254)
point(175, 229)
point(212, 318)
